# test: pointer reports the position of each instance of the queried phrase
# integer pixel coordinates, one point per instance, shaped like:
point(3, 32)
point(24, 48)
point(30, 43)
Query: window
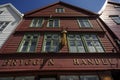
point(92, 43)
point(77, 77)
point(75, 43)
point(84, 22)
point(37, 22)
point(60, 10)
point(51, 43)
point(6, 78)
point(3, 25)
point(84, 43)
point(115, 18)
point(69, 77)
point(29, 43)
point(25, 78)
point(53, 23)
point(90, 77)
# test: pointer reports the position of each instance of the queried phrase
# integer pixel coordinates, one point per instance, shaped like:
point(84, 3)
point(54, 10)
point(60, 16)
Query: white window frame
point(3, 25)
point(37, 22)
point(75, 40)
point(53, 23)
point(51, 40)
point(96, 44)
point(117, 20)
point(29, 42)
point(93, 45)
point(60, 10)
point(83, 19)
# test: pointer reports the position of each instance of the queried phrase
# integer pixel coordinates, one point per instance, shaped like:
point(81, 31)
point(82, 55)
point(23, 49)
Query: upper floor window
point(51, 43)
point(84, 22)
point(59, 10)
point(37, 22)
point(84, 43)
point(53, 23)
point(1, 12)
point(115, 18)
point(3, 25)
point(29, 43)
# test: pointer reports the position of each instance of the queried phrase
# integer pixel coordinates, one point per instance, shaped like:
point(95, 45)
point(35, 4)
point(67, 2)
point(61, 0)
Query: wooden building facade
point(111, 16)
point(59, 42)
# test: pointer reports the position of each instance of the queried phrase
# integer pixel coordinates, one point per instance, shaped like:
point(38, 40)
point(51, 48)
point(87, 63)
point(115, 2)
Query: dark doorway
point(116, 75)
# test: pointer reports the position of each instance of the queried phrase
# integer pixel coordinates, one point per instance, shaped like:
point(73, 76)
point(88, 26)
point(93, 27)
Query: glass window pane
point(34, 22)
point(25, 78)
point(84, 22)
point(50, 23)
point(89, 77)
point(6, 78)
point(33, 46)
point(69, 77)
point(3, 25)
point(116, 19)
point(25, 46)
point(29, 43)
point(51, 43)
point(56, 23)
point(39, 22)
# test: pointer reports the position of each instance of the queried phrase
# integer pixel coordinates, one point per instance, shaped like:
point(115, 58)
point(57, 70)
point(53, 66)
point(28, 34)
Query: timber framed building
point(60, 42)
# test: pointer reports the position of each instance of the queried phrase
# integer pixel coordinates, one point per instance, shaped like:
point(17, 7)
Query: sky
point(25, 6)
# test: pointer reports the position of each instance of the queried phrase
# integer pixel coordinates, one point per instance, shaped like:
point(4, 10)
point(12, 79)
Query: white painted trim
point(13, 8)
point(103, 7)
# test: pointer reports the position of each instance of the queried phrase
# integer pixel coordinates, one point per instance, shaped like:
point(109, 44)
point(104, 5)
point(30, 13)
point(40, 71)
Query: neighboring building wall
point(112, 9)
point(11, 15)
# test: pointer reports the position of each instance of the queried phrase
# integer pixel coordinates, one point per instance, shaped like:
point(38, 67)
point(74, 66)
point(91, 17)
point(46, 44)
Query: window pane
point(39, 23)
point(116, 19)
point(33, 46)
point(59, 10)
point(69, 77)
point(50, 23)
point(3, 25)
point(25, 46)
point(29, 43)
point(75, 43)
point(51, 43)
point(56, 22)
point(6, 78)
point(84, 22)
point(89, 78)
point(34, 22)
point(90, 46)
point(80, 46)
point(25, 78)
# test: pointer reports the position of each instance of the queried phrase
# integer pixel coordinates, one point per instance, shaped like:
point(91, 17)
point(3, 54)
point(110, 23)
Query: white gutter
point(103, 7)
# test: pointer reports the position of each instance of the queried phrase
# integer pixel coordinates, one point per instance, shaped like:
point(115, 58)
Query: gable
point(69, 10)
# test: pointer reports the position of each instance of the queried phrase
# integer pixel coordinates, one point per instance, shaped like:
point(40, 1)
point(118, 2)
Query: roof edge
point(63, 3)
point(13, 8)
point(103, 7)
